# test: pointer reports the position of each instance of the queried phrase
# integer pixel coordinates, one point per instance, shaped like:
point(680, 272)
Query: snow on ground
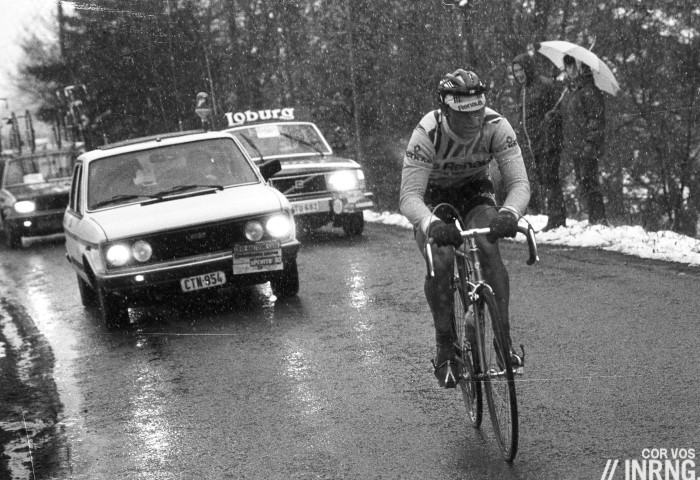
point(662, 245)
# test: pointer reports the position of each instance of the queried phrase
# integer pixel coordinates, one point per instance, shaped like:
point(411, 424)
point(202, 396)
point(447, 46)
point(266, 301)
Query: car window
point(272, 139)
point(148, 173)
point(74, 201)
point(38, 169)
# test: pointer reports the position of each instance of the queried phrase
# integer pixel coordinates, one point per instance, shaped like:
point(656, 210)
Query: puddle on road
point(22, 351)
point(29, 402)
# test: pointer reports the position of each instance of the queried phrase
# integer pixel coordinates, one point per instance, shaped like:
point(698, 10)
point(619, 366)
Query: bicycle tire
point(498, 382)
point(469, 365)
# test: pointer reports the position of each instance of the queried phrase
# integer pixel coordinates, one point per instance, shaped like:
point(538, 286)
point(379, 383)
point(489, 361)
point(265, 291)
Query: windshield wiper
point(306, 143)
point(184, 188)
point(121, 198)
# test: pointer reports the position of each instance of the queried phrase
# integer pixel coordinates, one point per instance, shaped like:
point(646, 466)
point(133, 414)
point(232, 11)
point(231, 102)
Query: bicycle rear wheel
point(498, 382)
point(471, 388)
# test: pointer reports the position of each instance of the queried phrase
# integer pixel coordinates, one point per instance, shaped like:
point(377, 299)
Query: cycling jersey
point(436, 156)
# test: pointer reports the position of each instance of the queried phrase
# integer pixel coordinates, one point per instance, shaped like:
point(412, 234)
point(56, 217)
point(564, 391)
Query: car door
point(72, 218)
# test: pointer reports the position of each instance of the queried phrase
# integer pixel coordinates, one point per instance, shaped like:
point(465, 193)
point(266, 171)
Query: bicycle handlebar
point(528, 231)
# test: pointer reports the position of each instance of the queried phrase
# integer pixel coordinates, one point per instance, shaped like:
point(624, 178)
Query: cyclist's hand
point(504, 224)
point(445, 234)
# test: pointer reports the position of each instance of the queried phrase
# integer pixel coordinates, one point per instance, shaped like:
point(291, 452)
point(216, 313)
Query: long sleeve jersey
point(436, 156)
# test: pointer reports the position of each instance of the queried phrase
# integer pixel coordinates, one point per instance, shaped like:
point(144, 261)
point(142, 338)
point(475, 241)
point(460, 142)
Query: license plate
point(200, 282)
point(257, 257)
point(300, 208)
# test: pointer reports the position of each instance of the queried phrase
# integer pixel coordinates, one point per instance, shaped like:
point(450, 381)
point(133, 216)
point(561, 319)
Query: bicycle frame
point(475, 284)
point(475, 278)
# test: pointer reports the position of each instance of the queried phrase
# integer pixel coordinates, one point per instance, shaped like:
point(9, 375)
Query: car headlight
point(279, 226)
point(142, 251)
point(253, 231)
point(25, 206)
point(118, 255)
point(343, 180)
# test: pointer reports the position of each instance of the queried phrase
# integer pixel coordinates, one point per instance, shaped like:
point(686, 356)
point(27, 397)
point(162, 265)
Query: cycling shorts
point(464, 197)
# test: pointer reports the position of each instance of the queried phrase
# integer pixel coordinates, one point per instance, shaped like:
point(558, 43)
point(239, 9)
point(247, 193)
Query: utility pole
point(60, 29)
point(2, 120)
point(172, 66)
point(353, 82)
point(211, 82)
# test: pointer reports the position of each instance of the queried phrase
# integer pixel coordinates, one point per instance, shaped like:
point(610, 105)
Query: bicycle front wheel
point(469, 364)
point(498, 382)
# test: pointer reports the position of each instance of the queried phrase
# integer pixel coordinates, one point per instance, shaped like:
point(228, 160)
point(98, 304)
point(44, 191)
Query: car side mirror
point(269, 168)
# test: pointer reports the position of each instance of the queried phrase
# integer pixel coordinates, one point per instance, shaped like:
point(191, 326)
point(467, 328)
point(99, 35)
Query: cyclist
point(447, 160)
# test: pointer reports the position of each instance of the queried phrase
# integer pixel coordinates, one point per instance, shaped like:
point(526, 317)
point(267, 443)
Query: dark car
point(34, 194)
point(322, 187)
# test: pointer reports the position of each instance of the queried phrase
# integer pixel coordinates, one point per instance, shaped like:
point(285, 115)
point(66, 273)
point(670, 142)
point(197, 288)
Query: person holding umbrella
point(583, 111)
point(583, 117)
point(541, 136)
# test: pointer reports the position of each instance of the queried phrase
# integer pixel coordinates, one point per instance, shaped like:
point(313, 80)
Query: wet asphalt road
point(337, 383)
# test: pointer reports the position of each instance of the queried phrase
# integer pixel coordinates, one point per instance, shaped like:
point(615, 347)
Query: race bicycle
point(481, 346)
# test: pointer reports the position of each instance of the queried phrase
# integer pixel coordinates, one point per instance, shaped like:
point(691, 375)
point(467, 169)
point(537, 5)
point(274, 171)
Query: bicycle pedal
point(520, 369)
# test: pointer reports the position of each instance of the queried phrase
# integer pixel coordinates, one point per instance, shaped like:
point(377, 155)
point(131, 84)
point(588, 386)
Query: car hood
point(136, 219)
point(315, 163)
point(34, 190)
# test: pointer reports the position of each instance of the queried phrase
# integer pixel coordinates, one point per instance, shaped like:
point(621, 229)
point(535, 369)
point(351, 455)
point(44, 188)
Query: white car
point(175, 214)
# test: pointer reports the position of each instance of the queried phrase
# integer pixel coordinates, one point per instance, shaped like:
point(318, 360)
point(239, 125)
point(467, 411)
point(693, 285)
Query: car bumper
point(40, 223)
point(163, 279)
point(332, 205)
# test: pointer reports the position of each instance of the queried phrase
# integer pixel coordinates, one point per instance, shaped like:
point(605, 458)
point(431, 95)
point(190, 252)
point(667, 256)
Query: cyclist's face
point(465, 124)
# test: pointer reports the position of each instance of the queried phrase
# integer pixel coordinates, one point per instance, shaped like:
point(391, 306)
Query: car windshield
point(38, 169)
point(284, 139)
point(168, 170)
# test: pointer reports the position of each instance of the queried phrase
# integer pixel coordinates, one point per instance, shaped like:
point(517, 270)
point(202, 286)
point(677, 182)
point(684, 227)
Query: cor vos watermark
point(654, 464)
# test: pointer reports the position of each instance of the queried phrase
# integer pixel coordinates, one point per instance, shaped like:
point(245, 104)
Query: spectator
point(540, 137)
point(583, 117)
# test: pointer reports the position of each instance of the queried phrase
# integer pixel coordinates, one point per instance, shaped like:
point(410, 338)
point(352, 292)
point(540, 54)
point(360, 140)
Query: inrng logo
point(656, 464)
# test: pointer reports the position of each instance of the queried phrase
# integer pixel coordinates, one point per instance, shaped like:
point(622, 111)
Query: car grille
point(52, 202)
point(300, 184)
point(197, 240)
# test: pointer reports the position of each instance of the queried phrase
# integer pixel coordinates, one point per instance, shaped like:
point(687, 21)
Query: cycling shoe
point(446, 373)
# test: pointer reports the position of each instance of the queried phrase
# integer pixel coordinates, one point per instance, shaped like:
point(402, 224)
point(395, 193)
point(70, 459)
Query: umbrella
point(602, 76)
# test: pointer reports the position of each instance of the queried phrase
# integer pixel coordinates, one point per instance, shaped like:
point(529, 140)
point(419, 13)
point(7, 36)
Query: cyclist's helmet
point(462, 90)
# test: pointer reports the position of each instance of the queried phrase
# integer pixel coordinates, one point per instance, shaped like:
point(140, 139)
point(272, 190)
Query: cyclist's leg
point(495, 272)
point(439, 294)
